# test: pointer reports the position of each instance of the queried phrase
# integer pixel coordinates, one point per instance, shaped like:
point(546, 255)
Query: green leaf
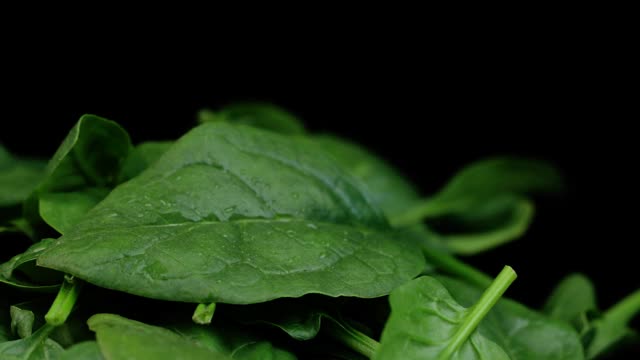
point(21, 321)
point(38, 346)
point(123, 339)
point(523, 333)
point(62, 210)
point(19, 226)
point(87, 162)
point(494, 223)
point(235, 214)
point(5, 320)
point(302, 320)
point(571, 300)
point(574, 302)
point(612, 328)
point(427, 323)
point(483, 205)
point(87, 350)
point(491, 177)
point(236, 343)
point(386, 188)
point(41, 279)
point(141, 158)
point(18, 178)
point(260, 115)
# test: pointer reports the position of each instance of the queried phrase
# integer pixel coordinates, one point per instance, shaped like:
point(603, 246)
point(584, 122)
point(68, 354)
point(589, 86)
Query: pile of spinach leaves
point(250, 238)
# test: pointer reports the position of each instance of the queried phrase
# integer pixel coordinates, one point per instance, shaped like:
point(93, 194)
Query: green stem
point(64, 301)
point(204, 313)
point(625, 309)
point(453, 266)
point(480, 310)
point(352, 338)
point(416, 214)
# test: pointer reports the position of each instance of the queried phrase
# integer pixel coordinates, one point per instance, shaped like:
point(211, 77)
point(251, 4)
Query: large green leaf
point(123, 339)
point(523, 333)
point(87, 162)
point(18, 177)
point(260, 115)
point(239, 215)
point(38, 346)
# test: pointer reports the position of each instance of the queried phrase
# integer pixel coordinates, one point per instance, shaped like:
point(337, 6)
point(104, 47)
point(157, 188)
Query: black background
point(426, 113)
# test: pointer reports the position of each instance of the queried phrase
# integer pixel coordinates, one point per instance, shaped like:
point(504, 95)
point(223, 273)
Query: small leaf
point(484, 204)
point(571, 299)
point(21, 321)
point(87, 162)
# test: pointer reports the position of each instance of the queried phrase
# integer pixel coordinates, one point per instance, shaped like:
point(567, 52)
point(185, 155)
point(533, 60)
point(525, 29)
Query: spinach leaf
point(574, 302)
point(303, 319)
point(38, 346)
point(32, 279)
point(260, 115)
point(427, 323)
point(484, 212)
point(298, 320)
point(521, 332)
point(235, 342)
point(571, 300)
point(62, 210)
point(22, 321)
point(238, 215)
point(121, 338)
point(141, 158)
point(87, 162)
point(19, 226)
point(488, 225)
point(87, 350)
point(18, 177)
point(386, 188)
point(612, 328)
point(485, 203)
point(5, 320)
